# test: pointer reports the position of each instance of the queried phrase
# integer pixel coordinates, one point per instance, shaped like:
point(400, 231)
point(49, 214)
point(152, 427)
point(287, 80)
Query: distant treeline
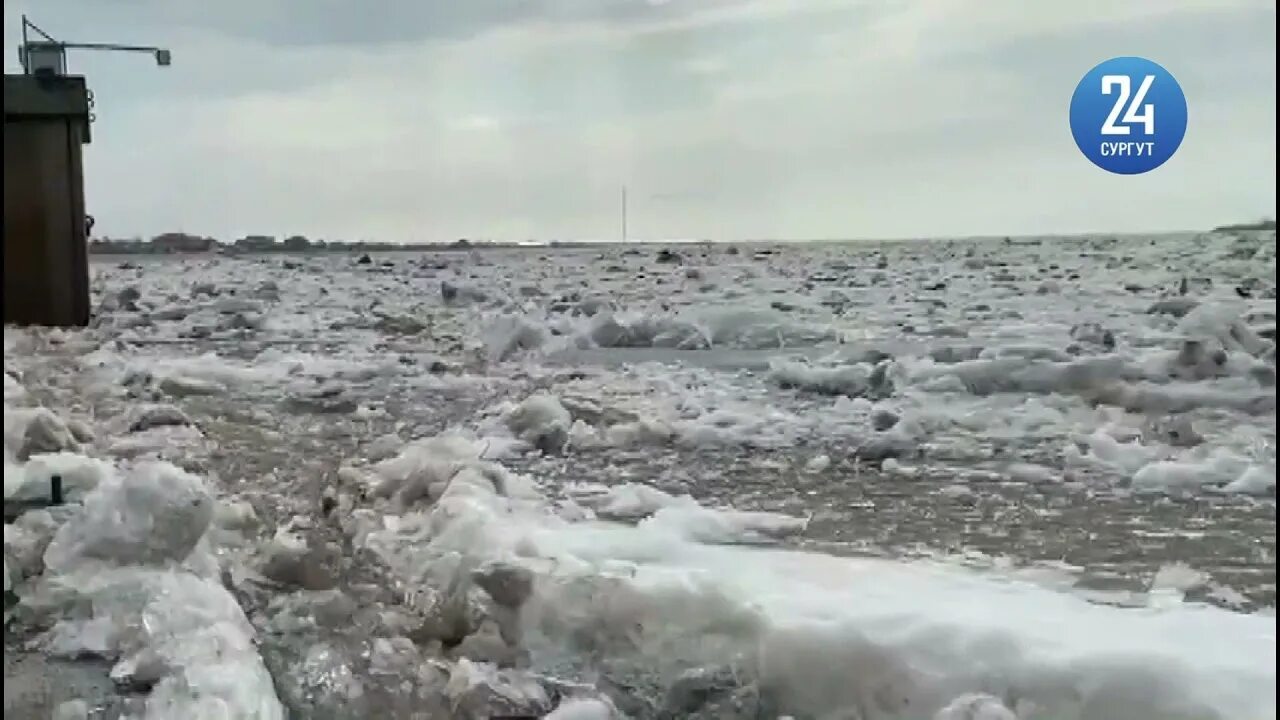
point(183, 243)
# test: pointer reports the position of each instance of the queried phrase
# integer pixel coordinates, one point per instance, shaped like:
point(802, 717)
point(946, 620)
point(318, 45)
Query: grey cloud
point(348, 22)
point(1232, 47)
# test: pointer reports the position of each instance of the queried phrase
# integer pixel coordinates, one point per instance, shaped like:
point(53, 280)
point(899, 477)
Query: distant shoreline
point(1260, 225)
point(181, 244)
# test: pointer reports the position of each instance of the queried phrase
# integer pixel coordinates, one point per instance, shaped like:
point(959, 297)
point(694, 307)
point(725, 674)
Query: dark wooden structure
point(46, 254)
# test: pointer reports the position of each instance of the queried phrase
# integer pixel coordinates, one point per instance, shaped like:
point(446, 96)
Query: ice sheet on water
point(901, 641)
point(272, 368)
point(916, 635)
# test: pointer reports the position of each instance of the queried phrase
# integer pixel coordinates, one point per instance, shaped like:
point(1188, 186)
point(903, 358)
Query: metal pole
point(109, 46)
point(161, 54)
point(28, 24)
point(22, 51)
point(624, 213)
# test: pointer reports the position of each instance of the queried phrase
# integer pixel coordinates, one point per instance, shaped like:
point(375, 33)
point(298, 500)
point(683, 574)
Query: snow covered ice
point(938, 480)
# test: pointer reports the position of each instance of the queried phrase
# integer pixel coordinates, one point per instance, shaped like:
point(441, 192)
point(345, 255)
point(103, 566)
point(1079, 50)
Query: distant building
point(256, 242)
point(296, 243)
point(182, 243)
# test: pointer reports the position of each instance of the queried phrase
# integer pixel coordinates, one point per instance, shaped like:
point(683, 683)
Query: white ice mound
point(423, 468)
point(639, 330)
point(154, 515)
point(582, 709)
point(33, 480)
point(116, 572)
point(628, 501)
point(25, 541)
point(681, 516)
point(542, 421)
point(1223, 323)
point(13, 390)
point(180, 635)
point(1220, 469)
point(1255, 480)
point(482, 690)
point(1104, 451)
point(734, 327)
point(857, 380)
point(706, 525)
point(760, 328)
point(508, 335)
point(30, 431)
point(975, 706)
point(1019, 375)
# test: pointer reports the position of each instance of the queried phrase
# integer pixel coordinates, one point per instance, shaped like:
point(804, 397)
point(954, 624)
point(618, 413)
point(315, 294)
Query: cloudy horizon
point(725, 119)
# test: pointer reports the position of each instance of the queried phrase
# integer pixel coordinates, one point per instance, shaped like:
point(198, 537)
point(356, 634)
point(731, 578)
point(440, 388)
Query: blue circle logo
point(1128, 115)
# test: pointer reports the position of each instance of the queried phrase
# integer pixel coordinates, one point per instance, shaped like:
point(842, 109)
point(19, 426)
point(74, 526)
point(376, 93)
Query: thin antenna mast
point(624, 213)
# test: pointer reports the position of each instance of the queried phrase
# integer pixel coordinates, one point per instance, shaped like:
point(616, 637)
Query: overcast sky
point(511, 119)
